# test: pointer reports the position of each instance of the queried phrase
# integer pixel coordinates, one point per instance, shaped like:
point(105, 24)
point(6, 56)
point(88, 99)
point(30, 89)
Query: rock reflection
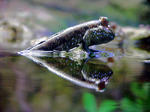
point(88, 74)
point(143, 44)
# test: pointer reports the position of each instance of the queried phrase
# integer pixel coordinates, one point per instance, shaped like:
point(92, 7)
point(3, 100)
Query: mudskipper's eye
point(104, 21)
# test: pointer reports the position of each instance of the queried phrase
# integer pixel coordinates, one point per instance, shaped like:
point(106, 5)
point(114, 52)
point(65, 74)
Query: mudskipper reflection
point(89, 73)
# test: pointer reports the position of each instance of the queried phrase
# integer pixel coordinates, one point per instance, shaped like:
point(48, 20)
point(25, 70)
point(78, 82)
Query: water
point(58, 84)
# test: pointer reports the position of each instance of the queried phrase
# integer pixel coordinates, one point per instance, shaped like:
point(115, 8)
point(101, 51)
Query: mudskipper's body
point(87, 34)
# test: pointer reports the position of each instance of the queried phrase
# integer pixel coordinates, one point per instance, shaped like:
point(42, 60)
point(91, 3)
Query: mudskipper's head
point(101, 34)
point(107, 32)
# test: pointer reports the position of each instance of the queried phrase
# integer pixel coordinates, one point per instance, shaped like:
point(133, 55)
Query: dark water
point(118, 80)
point(103, 84)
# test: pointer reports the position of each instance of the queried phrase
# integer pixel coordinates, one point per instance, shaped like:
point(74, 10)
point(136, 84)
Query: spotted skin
point(87, 34)
point(87, 71)
point(96, 36)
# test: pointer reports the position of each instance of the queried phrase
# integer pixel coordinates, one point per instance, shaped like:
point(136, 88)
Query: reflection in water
point(86, 74)
point(143, 44)
point(21, 86)
point(145, 77)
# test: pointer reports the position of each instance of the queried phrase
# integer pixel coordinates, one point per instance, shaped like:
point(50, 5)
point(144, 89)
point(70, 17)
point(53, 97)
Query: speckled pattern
point(89, 72)
point(89, 33)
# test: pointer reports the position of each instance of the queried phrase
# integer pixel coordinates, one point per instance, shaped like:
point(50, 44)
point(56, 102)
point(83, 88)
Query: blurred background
point(59, 14)
point(28, 87)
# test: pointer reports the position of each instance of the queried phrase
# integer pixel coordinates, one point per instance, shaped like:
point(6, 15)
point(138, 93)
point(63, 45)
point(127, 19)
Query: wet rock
point(136, 33)
point(14, 34)
point(119, 34)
